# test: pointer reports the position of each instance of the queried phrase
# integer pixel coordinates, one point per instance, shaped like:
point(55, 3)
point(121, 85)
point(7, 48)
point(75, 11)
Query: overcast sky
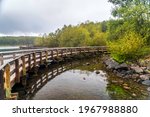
point(39, 16)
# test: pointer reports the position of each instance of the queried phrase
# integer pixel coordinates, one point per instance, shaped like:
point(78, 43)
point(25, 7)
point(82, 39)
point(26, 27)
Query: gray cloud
point(47, 15)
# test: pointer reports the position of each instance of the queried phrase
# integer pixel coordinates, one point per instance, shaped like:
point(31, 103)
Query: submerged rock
point(97, 72)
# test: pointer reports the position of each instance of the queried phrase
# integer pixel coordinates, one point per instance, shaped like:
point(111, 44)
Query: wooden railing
point(15, 64)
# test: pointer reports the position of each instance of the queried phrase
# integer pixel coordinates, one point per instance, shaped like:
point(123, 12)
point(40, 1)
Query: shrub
point(130, 46)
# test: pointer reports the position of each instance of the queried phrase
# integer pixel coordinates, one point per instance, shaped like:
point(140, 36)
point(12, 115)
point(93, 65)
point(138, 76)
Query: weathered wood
point(17, 71)
point(57, 52)
point(41, 61)
point(34, 59)
point(7, 86)
point(32, 63)
point(23, 66)
point(52, 54)
point(14, 55)
point(1, 60)
point(2, 91)
point(29, 61)
point(62, 53)
point(46, 56)
point(70, 51)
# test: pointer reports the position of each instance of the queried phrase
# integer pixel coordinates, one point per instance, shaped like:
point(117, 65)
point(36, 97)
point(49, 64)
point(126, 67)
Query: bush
point(130, 47)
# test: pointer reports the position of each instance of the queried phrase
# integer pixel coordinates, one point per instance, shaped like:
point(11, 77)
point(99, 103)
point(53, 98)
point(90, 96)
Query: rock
point(125, 84)
point(134, 95)
point(137, 69)
point(143, 68)
point(148, 66)
point(114, 81)
point(120, 81)
point(87, 63)
point(122, 66)
point(146, 82)
point(138, 80)
point(148, 89)
point(147, 71)
point(145, 77)
point(127, 88)
point(119, 74)
point(134, 76)
point(127, 76)
point(97, 72)
point(111, 64)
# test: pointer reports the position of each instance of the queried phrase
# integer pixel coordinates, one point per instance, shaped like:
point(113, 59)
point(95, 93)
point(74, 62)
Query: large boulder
point(111, 64)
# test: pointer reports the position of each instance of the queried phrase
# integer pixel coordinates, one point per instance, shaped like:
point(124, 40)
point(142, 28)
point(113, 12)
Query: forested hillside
point(21, 40)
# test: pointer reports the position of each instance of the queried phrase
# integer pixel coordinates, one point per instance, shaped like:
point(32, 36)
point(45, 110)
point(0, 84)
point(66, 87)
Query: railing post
point(7, 81)
point(14, 55)
point(29, 61)
point(1, 60)
point(41, 58)
point(17, 71)
point(34, 59)
point(52, 54)
point(46, 55)
point(71, 51)
point(23, 65)
point(66, 52)
point(57, 53)
point(61, 52)
point(2, 91)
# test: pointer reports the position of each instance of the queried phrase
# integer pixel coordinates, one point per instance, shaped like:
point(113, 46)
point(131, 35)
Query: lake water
point(6, 48)
point(85, 79)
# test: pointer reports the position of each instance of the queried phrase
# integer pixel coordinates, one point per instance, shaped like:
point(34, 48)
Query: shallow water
point(79, 81)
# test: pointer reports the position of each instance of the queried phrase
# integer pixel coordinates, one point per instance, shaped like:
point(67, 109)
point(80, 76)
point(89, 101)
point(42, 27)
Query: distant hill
point(21, 40)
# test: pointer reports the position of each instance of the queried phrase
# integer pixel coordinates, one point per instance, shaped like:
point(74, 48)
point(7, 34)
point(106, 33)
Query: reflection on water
point(86, 79)
point(74, 84)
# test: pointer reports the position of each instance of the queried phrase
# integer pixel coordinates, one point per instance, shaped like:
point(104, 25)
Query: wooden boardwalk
point(15, 64)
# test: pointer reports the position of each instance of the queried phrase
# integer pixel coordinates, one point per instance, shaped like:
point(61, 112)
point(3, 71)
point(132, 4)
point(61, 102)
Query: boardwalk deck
point(14, 64)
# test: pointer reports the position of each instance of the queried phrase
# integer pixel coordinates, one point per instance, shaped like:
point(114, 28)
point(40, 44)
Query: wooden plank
point(46, 55)
point(1, 59)
point(2, 91)
point(7, 86)
point(41, 61)
point(17, 71)
point(29, 61)
point(34, 59)
point(23, 65)
point(52, 54)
